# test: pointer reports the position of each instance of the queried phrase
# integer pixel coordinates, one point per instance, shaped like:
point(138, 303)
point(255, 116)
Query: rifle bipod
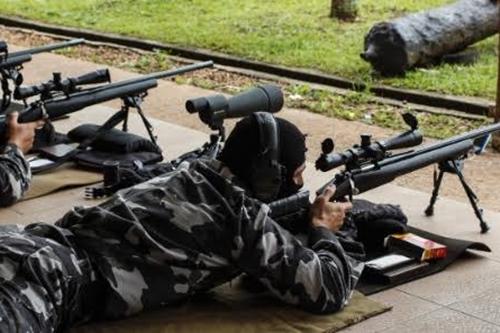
point(135, 102)
point(456, 167)
point(121, 116)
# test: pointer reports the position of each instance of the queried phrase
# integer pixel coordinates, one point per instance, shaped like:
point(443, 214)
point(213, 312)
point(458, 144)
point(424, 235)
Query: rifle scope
point(368, 151)
point(212, 110)
point(67, 86)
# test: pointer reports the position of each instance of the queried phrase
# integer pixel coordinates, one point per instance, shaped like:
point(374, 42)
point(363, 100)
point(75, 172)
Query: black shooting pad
point(456, 247)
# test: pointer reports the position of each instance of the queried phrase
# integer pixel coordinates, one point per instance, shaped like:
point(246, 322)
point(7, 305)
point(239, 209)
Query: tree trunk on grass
point(422, 38)
point(345, 10)
point(496, 136)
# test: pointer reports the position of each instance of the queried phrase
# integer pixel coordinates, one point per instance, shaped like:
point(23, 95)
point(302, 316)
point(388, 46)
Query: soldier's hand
point(328, 214)
point(21, 135)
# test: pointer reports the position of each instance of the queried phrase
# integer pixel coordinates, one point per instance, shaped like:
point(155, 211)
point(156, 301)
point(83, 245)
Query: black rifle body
point(377, 174)
point(57, 107)
point(386, 171)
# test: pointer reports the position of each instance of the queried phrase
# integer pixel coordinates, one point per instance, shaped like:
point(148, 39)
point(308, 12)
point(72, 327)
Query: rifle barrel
point(158, 75)
point(47, 48)
point(474, 134)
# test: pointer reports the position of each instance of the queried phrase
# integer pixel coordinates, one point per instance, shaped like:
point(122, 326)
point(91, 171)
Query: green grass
point(354, 106)
point(287, 32)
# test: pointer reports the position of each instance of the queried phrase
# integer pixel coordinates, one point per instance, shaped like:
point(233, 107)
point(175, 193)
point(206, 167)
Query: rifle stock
point(289, 205)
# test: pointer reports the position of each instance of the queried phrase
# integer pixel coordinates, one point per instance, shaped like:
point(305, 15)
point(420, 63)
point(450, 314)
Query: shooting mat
point(229, 308)
point(64, 177)
point(456, 248)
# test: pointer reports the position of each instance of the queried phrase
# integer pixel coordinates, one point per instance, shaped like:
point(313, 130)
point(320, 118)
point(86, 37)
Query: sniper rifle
point(371, 165)
point(131, 91)
point(11, 65)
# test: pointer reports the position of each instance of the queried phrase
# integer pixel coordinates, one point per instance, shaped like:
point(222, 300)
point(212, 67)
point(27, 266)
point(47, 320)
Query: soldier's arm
point(318, 276)
point(15, 175)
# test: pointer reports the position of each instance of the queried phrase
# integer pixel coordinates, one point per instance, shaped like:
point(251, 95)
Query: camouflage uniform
point(15, 175)
point(159, 242)
point(43, 277)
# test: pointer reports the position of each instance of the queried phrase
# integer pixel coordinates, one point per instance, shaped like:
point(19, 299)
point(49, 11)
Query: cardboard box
point(418, 247)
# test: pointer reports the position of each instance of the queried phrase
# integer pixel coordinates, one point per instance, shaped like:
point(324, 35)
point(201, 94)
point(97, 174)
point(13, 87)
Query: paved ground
point(481, 170)
point(463, 298)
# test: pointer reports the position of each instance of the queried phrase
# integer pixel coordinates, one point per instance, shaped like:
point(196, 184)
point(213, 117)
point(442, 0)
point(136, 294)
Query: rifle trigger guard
point(354, 189)
point(45, 115)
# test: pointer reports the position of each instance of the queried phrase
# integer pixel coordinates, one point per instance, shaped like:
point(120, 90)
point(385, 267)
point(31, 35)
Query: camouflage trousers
point(42, 280)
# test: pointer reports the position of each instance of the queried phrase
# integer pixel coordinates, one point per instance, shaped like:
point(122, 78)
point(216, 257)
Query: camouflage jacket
point(15, 175)
point(189, 230)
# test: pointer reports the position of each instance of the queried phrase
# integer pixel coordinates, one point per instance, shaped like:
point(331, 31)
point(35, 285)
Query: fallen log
point(425, 37)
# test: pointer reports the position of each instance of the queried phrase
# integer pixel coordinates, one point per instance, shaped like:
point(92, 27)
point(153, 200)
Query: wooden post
point(346, 10)
point(497, 110)
point(496, 137)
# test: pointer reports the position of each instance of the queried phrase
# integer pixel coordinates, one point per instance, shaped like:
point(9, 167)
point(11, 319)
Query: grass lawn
point(288, 32)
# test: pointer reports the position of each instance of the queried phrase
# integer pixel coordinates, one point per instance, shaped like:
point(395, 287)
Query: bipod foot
point(484, 227)
point(437, 178)
point(429, 211)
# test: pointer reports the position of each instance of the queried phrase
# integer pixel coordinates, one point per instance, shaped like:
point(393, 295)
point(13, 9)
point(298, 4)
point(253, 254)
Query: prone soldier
point(159, 242)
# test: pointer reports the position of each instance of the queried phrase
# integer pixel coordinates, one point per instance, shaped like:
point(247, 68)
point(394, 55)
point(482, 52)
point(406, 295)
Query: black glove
point(377, 221)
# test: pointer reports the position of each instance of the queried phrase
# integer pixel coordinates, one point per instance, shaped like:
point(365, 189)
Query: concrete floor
point(463, 298)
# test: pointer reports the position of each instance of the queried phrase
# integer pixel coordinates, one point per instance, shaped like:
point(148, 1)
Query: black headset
point(267, 174)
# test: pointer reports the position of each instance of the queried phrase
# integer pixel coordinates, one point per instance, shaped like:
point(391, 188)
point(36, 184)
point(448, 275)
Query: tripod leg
point(473, 200)
point(429, 211)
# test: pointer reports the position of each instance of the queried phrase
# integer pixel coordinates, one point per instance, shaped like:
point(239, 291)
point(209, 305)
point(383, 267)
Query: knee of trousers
point(41, 284)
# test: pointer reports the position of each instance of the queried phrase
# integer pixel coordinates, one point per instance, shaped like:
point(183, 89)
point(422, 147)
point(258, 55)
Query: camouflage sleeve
point(15, 175)
point(318, 276)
